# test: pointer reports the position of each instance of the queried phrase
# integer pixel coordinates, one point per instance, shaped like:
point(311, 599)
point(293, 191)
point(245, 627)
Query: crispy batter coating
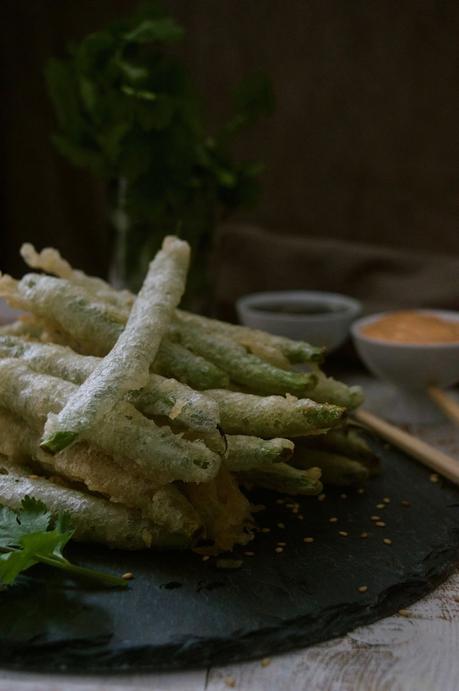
point(127, 366)
point(124, 433)
point(273, 416)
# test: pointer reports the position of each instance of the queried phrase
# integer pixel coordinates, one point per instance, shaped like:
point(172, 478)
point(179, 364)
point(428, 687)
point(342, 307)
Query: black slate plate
point(182, 612)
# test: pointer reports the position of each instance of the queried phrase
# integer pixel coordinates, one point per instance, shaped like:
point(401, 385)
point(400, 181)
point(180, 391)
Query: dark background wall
point(363, 146)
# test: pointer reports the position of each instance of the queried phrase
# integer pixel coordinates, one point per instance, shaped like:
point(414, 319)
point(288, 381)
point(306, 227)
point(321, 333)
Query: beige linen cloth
point(249, 259)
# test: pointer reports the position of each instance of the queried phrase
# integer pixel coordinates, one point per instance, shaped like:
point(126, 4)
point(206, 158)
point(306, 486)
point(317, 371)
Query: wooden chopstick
point(428, 455)
point(446, 403)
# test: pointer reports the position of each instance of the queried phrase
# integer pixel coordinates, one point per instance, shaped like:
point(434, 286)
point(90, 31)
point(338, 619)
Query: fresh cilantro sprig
point(31, 536)
point(128, 109)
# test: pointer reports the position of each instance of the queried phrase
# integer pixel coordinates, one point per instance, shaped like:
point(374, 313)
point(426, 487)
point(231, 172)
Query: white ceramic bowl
point(327, 323)
point(412, 367)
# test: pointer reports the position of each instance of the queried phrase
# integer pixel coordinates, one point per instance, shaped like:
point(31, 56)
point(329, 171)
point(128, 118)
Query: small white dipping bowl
point(412, 367)
point(326, 320)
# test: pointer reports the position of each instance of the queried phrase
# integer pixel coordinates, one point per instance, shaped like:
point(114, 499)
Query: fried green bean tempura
point(174, 360)
point(329, 390)
point(224, 511)
point(160, 396)
point(49, 358)
point(277, 350)
point(273, 416)
point(126, 368)
point(51, 261)
point(162, 412)
point(246, 452)
point(281, 477)
point(124, 433)
point(336, 469)
point(165, 506)
point(94, 327)
point(294, 351)
point(242, 367)
point(348, 442)
point(95, 519)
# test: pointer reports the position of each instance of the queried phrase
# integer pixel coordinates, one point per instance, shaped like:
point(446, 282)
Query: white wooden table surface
point(418, 652)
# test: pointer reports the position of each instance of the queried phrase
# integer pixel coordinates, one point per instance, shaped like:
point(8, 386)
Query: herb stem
point(104, 578)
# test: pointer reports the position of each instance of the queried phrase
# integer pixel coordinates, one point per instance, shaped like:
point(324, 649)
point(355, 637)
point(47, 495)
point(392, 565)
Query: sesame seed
point(34, 477)
point(333, 519)
point(380, 524)
point(206, 557)
point(280, 501)
point(343, 533)
point(249, 554)
point(281, 525)
point(308, 539)
point(230, 682)
point(387, 541)
point(128, 576)
point(386, 500)
point(295, 509)
point(321, 497)
point(360, 490)
point(266, 530)
point(375, 518)
point(278, 549)
point(380, 506)
point(363, 535)
point(362, 588)
point(282, 544)
point(265, 662)
point(404, 612)
point(300, 517)
point(405, 503)
point(290, 506)
point(434, 477)
point(343, 496)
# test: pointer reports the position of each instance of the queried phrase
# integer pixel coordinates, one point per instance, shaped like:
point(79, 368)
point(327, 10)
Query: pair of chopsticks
point(425, 453)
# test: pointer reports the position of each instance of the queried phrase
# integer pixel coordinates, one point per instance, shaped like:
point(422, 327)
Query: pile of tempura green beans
point(149, 424)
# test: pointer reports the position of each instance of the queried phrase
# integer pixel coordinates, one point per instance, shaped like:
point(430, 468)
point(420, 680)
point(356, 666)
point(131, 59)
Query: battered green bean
point(224, 511)
point(173, 360)
point(51, 261)
point(281, 477)
point(348, 442)
point(246, 452)
point(49, 358)
point(124, 433)
point(95, 519)
point(93, 327)
point(242, 367)
point(294, 351)
point(126, 367)
point(329, 390)
point(160, 396)
point(277, 350)
point(273, 416)
point(165, 506)
point(336, 469)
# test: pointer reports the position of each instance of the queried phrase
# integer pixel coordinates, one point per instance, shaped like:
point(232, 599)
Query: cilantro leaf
point(14, 563)
point(30, 536)
point(34, 517)
point(164, 29)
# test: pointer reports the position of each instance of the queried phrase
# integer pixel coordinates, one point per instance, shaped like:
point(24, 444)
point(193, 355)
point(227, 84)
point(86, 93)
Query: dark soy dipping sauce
point(298, 308)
